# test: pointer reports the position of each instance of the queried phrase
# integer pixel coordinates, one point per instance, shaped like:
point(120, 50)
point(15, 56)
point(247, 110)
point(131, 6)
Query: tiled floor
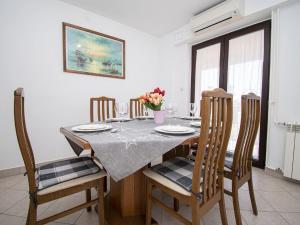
point(278, 202)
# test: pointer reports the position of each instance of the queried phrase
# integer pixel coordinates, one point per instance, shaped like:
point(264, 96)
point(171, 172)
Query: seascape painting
point(93, 53)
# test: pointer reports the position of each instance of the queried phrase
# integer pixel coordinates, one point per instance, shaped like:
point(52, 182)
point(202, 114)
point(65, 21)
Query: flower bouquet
point(154, 100)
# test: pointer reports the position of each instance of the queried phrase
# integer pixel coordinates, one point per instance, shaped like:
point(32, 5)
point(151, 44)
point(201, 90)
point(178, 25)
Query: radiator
point(292, 153)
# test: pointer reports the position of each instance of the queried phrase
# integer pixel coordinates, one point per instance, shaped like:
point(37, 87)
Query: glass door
point(245, 71)
point(239, 63)
point(207, 70)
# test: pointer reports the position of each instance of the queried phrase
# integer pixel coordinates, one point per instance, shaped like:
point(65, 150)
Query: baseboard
point(279, 174)
point(12, 171)
point(274, 172)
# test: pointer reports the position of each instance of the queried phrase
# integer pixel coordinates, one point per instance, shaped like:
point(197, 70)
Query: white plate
point(175, 129)
point(195, 124)
point(144, 117)
point(91, 127)
point(190, 118)
point(118, 119)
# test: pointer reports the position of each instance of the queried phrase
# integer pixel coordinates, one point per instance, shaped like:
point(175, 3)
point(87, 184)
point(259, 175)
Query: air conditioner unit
point(223, 13)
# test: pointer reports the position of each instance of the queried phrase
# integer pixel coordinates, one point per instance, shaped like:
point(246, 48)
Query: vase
point(159, 116)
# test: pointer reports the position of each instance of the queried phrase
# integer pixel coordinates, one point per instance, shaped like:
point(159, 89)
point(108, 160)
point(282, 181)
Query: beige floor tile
point(88, 218)
point(20, 208)
point(213, 217)
point(290, 186)
point(11, 220)
point(263, 218)
point(22, 185)
point(295, 195)
point(9, 197)
point(282, 201)
point(157, 214)
point(8, 182)
point(63, 204)
point(167, 219)
point(268, 184)
point(292, 218)
point(245, 202)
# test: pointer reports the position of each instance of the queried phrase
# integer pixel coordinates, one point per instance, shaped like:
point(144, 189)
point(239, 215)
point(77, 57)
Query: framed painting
point(92, 53)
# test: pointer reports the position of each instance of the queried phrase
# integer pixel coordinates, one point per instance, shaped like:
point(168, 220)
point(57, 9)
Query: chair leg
point(88, 198)
point(32, 213)
point(149, 204)
point(252, 197)
point(175, 204)
point(236, 205)
point(223, 210)
point(195, 215)
point(28, 215)
point(101, 203)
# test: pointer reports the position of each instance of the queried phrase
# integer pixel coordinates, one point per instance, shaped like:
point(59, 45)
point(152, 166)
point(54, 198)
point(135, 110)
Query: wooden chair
point(37, 196)
point(238, 166)
point(105, 108)
point(136, 108)
point(207, 172)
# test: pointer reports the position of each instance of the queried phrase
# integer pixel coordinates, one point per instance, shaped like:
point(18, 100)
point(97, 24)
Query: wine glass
point(170, 110)
point(192, 109)
point(146, 112)
point(175, 110)
point(122, 110)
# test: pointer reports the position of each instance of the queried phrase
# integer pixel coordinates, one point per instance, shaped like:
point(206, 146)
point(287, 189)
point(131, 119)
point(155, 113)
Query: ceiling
point(156, 17)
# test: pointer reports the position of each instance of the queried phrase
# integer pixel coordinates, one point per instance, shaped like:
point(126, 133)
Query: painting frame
point(66, 68)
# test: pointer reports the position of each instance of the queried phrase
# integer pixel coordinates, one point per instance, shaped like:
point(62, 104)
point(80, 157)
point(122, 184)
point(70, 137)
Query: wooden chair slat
point(105, 107)
point(136, 108)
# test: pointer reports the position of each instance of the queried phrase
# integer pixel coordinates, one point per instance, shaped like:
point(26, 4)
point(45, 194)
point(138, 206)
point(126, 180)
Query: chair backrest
point(105, 108)
point(250, 118)
point(23, 140)
point(136, 108)
point(216, 122)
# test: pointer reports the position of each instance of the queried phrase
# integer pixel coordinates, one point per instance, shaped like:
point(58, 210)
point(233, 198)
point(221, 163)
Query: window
point(239, 63)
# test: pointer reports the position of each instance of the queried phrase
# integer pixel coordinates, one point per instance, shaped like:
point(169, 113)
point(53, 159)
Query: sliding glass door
point(207, 69)
point(239, 63)
point(245, 71)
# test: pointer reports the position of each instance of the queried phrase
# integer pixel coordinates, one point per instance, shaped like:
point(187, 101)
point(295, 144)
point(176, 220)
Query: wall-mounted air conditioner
point(223, 13)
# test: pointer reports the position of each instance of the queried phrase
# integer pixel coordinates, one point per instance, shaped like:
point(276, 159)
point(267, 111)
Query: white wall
point(285, 80)
point(284, 76)
point(31, 57)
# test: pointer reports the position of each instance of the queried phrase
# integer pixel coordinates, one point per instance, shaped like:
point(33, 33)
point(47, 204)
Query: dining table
point(124, 151)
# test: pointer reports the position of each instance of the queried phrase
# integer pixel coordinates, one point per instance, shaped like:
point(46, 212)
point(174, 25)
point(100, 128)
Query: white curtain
point(207, 70)
point(245, 64)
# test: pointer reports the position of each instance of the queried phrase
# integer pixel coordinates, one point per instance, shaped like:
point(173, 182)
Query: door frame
point(224, 50)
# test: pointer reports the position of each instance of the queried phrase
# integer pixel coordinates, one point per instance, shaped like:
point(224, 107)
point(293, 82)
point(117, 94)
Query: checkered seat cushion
point(228, 160)
point(179, 170)
point(65, 170)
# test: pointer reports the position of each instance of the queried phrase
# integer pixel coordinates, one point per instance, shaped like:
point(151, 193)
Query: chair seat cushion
point(179, 170)
point(228, 160)
point(65, 170)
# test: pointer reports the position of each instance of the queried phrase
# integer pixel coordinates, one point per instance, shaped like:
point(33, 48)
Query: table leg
point(126, 202)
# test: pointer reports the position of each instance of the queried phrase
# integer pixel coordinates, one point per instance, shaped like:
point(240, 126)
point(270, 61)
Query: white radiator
point(292, 153)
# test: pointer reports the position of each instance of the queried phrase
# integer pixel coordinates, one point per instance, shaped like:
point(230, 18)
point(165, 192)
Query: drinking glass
point(122, 111)
point(192, 109)
point(170, 111)
point(175, 110)
point(146, 112)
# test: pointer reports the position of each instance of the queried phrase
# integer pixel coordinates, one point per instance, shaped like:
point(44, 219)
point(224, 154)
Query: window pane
point(245, 70)
point(207, 70)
